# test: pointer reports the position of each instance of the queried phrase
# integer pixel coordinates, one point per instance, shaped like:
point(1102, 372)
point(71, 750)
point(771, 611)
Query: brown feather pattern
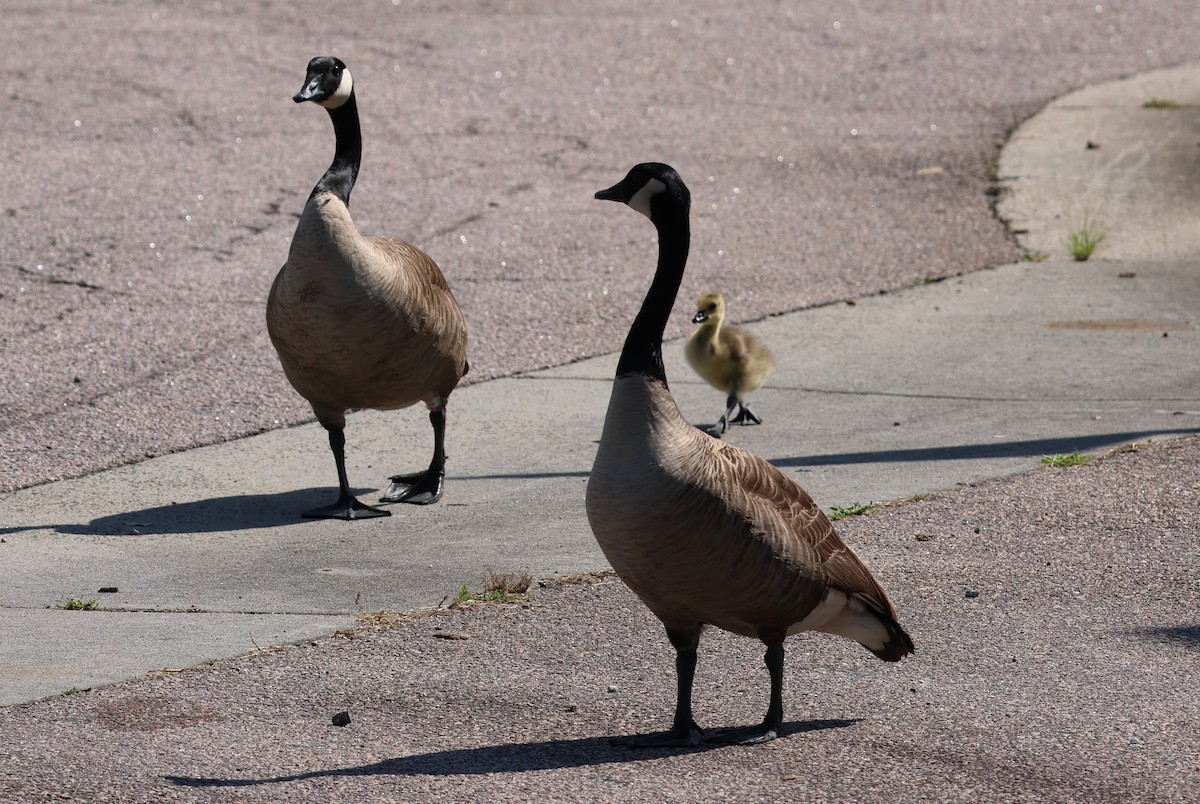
point(703, 532)
point(363, 322)
point(706, 532)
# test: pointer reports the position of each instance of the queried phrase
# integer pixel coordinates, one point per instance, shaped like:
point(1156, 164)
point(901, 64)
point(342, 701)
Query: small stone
point(451, 635)
point(972, 593)
point(613, 688)
point(1135, 740)
point(107, 590)
point(341, 719)
point(924, 537)
point(571, 708)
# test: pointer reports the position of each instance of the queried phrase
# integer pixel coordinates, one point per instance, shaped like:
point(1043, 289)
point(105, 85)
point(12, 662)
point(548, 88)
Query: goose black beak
point(310, 91)
point(611, 194)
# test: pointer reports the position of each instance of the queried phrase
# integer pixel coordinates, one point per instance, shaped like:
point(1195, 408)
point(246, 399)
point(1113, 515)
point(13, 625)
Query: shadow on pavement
point(512, 758)
point(239, 512)
point(1186, 635)
point(1037, 447)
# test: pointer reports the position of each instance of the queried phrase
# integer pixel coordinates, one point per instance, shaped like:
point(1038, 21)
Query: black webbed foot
point(691, 737)
point(346, 507)
point(743, 735)
point(745, 416)
point(422, 488)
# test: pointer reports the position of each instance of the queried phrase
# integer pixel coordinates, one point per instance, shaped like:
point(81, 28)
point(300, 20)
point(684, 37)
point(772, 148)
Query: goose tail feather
point(898, 644)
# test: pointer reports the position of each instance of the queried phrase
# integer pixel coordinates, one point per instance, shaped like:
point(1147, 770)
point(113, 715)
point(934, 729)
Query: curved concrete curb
point(1101, 152)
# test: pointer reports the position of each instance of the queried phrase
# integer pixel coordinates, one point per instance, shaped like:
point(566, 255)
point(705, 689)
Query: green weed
point(837, 512)
point(497, 588)
point(1074, 459)
point(1083, 241)
point(76, 604)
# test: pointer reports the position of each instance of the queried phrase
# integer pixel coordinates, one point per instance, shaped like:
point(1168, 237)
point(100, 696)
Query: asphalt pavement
point(942, 397)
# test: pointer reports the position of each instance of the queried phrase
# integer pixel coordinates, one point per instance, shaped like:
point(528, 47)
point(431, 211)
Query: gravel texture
point(1070, 677)
point(155, 164)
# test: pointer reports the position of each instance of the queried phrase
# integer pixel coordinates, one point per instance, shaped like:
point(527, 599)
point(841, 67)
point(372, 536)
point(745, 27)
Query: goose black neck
point(642, 352)
point(347, 156)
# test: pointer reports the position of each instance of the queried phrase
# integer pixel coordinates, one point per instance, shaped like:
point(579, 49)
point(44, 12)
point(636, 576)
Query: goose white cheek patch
point(641, 199)
point(342, 94)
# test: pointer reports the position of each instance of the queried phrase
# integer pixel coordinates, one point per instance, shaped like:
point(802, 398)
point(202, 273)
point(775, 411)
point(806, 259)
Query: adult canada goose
point(728, 358)
point(362, 322)
point(704, 532)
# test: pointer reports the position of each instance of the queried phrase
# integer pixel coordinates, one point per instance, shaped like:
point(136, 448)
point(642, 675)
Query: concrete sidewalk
point(896, 395)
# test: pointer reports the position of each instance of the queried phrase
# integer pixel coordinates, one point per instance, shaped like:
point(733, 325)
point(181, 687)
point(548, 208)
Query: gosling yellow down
point(362, 322)
point(729, 359)
point(704, 532)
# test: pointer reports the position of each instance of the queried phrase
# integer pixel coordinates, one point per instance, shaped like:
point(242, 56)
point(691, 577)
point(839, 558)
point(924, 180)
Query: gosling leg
point(720, 427)
point(745, 416)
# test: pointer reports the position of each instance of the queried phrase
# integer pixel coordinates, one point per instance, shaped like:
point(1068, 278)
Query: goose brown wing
point(427, 299)
point(797, 529)
point(418, 265)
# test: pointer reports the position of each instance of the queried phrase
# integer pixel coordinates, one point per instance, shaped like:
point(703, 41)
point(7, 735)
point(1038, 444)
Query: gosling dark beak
point(699, 317)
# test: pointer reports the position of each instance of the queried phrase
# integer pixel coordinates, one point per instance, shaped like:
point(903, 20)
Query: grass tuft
point(1161, 103)
point(1074, 459)
point(497, 588)
point(837, 512)
point(1083, 241)
point(75, 604)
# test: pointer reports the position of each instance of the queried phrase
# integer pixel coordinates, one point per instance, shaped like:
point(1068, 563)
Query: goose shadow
point(1187, 636)
point(508, 758)
point(231, 513)
point(1027, 448)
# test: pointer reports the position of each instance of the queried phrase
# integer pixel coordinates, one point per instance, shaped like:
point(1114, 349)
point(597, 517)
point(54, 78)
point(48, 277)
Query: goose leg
point(347, 506)
point(684, 733)
point(720, 427)
point(425, 487)
point(745, 416)
point(769, 729)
